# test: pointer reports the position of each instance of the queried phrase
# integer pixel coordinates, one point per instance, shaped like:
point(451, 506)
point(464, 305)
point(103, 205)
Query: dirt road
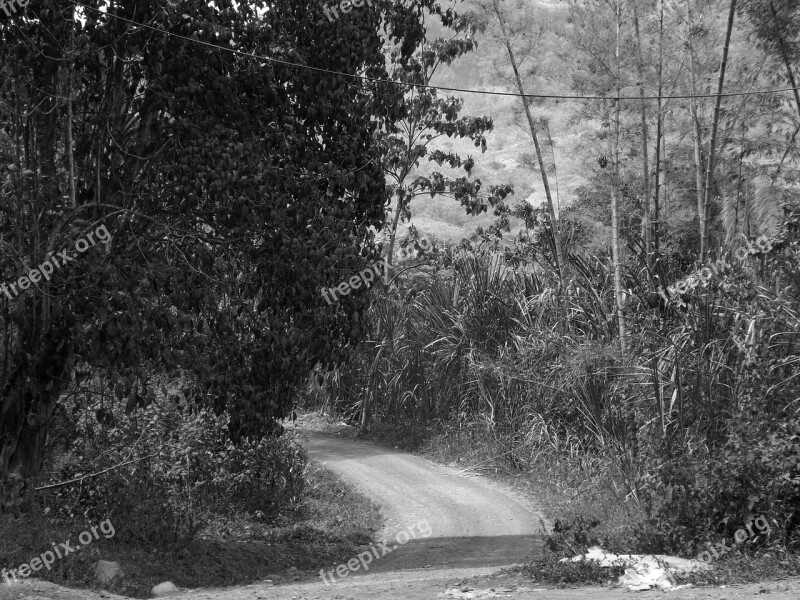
point(472, 523)
point(475, 527)
point(459, 530)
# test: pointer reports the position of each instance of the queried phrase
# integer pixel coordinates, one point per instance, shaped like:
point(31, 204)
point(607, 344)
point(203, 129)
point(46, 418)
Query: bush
point(170, 470)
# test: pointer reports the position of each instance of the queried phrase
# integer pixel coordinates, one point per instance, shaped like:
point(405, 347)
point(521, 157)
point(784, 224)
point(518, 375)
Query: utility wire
point(432, 87)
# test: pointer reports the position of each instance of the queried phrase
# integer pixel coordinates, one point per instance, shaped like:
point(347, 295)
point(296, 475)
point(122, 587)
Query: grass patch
point(330, 526)
point(548, 569)
point(745, 567)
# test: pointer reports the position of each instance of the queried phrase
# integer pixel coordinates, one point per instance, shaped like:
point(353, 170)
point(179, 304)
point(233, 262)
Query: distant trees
point(707, 153)
point(683, 44)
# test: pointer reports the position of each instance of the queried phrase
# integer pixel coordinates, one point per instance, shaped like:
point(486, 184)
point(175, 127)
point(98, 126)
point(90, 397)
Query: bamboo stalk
point(714, 127)
point(615, 253)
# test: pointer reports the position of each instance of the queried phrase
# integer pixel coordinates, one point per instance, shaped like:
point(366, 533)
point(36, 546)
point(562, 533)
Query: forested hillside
point(588, 211)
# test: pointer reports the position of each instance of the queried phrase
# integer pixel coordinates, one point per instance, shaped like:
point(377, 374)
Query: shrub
point(169, 470)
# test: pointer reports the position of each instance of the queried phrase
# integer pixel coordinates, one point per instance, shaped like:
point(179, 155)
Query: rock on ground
point(107, 572)
point(163, 589)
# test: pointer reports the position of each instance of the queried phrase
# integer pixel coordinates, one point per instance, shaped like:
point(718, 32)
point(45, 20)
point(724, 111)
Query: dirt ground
point(446, 535)
point(419, 585)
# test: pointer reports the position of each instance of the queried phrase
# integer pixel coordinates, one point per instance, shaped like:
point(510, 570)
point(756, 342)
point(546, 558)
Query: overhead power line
point(550, 96)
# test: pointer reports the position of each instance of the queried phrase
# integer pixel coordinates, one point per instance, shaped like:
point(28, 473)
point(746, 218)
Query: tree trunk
point(657, 183)
point(664, 162)
point(714, 126)
point(29, 396)
point(68, 150)
point(533, 129)
point(664, 182)
point(551, 209)
point(365, 414)
point(696, 130)
point(659, 131)
point(393, 232)
point(615, 253)
point(648, 231)
point(698, 169)
point(38, 355)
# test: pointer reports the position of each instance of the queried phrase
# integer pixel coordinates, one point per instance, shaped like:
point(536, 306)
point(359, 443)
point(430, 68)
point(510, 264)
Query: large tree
point(234, 185)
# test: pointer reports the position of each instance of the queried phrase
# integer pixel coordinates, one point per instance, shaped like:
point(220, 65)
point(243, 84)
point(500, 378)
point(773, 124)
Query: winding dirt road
point(445, 536)
point(471, 524)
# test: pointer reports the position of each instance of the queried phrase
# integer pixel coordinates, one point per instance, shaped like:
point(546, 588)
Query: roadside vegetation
point(625, 343)
point(186, 505)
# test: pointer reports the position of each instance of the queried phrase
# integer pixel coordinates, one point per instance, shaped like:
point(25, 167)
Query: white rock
point(163, 589)
point(108, 572)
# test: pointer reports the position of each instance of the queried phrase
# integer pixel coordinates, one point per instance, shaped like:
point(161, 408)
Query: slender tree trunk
point(68, 149)
point(393, 232)
point(555, 169)
point(648, 231)
point(657, 183)
point(746, 211)
point(732, 232)
point(615, 253)
point(365, 413)
point(401, 201)
point(534, 134)
point(696, 130)
point(698, 168)
point(540, 160)
point(714, 126)
point(659, 132)
point(665, 162)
